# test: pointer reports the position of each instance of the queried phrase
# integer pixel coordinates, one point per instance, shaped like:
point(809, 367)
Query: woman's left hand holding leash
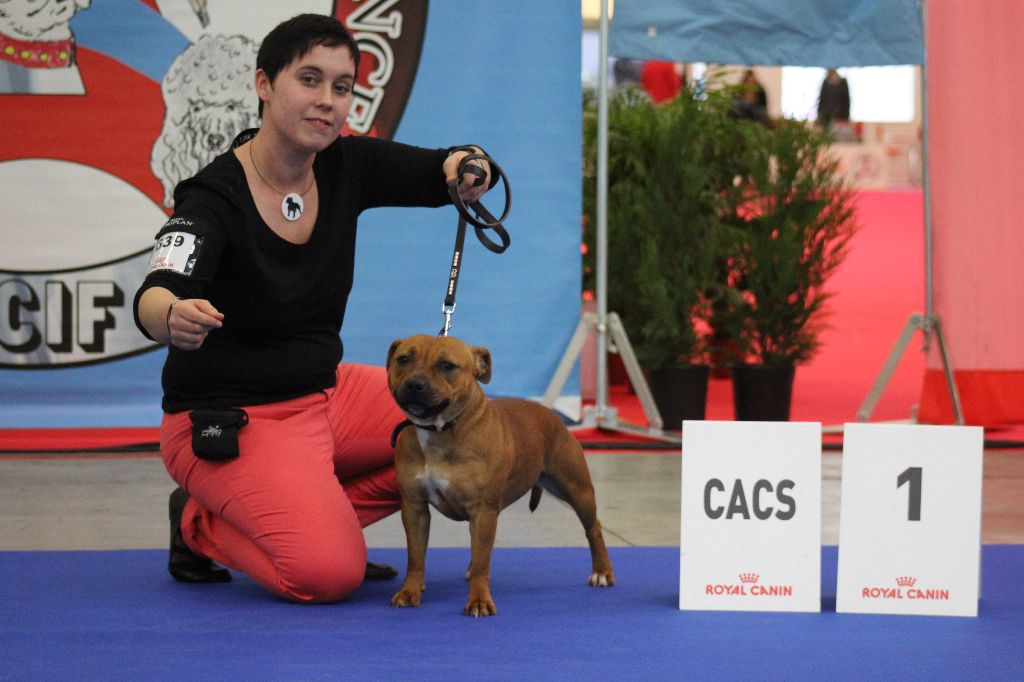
point(471, 187)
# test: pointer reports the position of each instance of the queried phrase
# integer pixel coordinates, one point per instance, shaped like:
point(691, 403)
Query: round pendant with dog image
point(292, 206)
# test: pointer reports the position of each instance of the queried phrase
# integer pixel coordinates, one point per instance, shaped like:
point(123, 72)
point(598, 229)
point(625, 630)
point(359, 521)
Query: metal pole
point(925, 174)
point(601, 257)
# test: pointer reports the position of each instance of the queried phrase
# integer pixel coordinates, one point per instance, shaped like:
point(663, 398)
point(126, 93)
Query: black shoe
point(379, 571)
point(183, 564)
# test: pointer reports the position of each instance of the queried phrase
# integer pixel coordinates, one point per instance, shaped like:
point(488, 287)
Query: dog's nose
point(416, 385)
point(215, 140)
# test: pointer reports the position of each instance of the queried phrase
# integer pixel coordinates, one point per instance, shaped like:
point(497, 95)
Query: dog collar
point(37, 54)
point(401, 427)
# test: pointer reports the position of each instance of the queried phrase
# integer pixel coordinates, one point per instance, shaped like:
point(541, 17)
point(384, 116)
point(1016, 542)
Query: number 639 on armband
point(910, 520)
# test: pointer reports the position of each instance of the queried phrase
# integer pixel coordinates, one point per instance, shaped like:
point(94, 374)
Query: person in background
point(281, 453)
point(833, 100)
point(751, 100)
point(626, 72)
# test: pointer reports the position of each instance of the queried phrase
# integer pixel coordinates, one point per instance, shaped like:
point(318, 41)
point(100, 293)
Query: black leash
point(481, 222)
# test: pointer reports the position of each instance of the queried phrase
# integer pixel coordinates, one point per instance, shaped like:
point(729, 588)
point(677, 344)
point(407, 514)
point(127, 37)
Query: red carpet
point(877, 288)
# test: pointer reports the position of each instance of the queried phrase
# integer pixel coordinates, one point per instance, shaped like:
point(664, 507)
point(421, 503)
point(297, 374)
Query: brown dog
point(470, 457)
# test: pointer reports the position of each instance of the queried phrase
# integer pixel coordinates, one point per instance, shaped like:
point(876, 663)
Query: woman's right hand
point(189, 320)
point(183, 323)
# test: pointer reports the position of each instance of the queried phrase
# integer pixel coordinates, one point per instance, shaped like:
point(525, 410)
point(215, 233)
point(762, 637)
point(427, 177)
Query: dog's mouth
point(422, 410)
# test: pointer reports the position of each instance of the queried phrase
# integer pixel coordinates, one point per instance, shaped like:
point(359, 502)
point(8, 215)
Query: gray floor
point(121, 503)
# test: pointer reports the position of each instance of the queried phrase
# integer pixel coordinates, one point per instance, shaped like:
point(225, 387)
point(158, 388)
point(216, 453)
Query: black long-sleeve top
point(283, 303)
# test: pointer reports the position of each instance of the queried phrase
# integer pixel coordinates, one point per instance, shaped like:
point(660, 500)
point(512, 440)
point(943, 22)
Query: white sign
point(910, 520)
point(750, 531)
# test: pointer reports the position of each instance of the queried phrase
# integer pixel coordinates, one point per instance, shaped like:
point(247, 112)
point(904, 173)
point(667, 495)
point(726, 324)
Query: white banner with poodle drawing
point(106, 105)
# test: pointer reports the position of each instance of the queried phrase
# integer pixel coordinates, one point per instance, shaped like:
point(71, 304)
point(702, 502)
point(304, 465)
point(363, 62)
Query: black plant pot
point(681, 392)
point(762, 392)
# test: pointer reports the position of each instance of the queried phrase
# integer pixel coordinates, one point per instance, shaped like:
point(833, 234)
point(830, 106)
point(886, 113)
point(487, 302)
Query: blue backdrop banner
point(103, 112)
point(827, 33)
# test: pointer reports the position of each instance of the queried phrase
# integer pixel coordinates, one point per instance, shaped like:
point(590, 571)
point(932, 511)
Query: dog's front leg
point(483, 526)
point(416, 519)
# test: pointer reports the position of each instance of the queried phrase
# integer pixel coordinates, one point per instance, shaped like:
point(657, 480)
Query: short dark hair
point(293, 38)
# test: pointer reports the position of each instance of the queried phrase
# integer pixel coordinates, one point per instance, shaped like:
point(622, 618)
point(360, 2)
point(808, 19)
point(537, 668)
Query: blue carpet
point(117, 615)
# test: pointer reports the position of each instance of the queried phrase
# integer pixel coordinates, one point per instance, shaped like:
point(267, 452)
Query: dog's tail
point(535, 494)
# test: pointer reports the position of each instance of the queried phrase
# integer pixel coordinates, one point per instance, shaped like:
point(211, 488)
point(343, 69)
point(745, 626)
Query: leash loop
point(481, 222)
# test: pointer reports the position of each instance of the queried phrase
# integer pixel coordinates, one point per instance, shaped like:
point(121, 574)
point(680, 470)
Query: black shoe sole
point(379, 571)
point(183, 564)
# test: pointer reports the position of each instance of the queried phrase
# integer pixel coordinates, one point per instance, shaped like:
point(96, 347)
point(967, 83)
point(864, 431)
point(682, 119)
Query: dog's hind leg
point(570, 481)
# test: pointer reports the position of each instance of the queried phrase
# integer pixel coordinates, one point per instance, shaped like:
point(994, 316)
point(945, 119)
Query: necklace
point(292, 204)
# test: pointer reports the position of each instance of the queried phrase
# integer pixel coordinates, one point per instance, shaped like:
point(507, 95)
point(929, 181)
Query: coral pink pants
point(313, 471)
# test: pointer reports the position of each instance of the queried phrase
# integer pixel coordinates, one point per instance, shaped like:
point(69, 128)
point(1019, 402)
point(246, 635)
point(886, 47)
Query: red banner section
point(41, 440)
point(990, 398)
point(975, 151)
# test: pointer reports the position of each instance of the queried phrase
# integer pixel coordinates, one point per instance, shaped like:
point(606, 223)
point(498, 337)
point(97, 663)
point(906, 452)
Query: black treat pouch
point(215, 433)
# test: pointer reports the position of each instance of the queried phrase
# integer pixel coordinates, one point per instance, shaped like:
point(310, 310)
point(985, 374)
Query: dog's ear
point(483, 364)
point(391, 351)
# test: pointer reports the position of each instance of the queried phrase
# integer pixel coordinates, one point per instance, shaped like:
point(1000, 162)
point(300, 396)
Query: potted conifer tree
point(663, 236)
point(792, 220)
point(719, 228)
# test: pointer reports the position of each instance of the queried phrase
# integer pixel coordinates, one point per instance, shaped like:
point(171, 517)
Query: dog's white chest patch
point(434, 487)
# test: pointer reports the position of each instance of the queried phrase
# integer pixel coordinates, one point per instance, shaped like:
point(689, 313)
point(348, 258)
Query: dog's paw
point(480, 607)
point(406, 597)
point(602, 578)
point(479, 602)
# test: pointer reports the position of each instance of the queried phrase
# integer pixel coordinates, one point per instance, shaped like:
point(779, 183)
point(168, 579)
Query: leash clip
point(448, 311)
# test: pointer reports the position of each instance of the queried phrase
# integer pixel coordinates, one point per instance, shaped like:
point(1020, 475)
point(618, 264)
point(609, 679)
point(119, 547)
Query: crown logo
point(749, 577)
point(905, 581)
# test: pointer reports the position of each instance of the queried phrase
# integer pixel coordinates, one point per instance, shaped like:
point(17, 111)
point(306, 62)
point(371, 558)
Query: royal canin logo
point(905, 589)
point(748, 586)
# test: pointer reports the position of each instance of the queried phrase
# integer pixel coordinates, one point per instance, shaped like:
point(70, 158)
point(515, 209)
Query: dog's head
point(434, 378)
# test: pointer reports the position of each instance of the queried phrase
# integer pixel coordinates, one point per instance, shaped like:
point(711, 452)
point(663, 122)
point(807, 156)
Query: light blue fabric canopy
point(826, 33)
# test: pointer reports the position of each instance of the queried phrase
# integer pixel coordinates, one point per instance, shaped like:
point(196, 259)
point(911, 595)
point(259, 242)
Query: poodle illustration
point(209, 98)
point(37, 47)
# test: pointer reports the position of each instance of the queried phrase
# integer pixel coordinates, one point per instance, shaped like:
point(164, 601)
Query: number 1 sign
point(910, 520)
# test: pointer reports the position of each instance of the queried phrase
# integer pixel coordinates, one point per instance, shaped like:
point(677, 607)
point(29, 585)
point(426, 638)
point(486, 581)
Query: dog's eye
point(402, 360)
point(447, 366)
point(231, 107)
